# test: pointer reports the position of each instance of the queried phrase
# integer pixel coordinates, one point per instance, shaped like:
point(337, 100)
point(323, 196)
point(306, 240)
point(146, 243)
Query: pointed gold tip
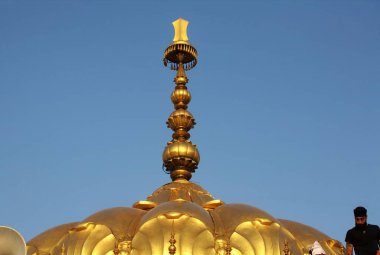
point(180, 30)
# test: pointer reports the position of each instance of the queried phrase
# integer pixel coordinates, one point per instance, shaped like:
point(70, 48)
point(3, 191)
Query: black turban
point(360, 211)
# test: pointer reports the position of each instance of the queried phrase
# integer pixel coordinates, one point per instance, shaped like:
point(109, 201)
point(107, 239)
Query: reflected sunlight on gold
point(181, 217)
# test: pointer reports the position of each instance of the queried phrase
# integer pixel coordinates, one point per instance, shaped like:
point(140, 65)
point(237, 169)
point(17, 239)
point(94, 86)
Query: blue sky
point(285, 95)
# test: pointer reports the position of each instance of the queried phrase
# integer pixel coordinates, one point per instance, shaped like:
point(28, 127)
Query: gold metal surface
point(228, 248)
point(125, 247)
point(286, 248)
point(210, 205)
point(180, 120)
point(181, 218)
point(180, 98)
point(220, 246)
point(122, 221)
point(172, 249)
point(180, 156)
point(46, 241)
point(144, 205)
point(307, 235)
point(234, 229)
point(11, 242)
point(181, 189)
point(180, 31)
point(181, 159)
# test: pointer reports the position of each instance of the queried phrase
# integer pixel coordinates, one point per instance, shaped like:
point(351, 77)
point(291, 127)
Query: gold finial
point(228, 248)
point(116, 249)
point(342, 250)
point(122, 247)
point(286, 248)
point(63, 249)
point(172, 249)
point(223, 247)
point(180, 156)
point(180, 51)
point(125, 247)
point(180, 27)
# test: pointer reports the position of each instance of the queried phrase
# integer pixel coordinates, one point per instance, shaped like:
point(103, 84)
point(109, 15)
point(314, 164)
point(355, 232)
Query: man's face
point(361, 220)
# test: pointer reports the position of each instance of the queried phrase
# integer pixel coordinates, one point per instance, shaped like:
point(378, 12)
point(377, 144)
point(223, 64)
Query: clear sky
point(286, 95)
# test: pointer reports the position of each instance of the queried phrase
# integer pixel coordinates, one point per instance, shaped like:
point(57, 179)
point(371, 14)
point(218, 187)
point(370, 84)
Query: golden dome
point(181, 218)
point(199, 223)
point(46, 241)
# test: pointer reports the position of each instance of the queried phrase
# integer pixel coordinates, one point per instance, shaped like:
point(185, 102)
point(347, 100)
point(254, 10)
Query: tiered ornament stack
point(181, 156)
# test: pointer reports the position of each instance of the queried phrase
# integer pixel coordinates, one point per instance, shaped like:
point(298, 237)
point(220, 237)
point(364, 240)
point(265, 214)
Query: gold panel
point(229, 216)
point(192, 236)
point(44, 242)
point(255, 238)
point(210, 205)
point(144, 205)
point(122, 221)
point(307, 235)
point(180, 30)
point(180, 207)
point(181, 189)
point(87, 239)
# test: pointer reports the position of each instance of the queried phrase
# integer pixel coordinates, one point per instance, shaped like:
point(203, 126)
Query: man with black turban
point(364, 238)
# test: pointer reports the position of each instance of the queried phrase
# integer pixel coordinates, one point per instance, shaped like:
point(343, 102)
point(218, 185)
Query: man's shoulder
point(351, 230)
point(350, 235)
point(376, 227)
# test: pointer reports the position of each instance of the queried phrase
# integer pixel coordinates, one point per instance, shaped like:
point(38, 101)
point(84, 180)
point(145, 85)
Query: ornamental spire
point(180, 156)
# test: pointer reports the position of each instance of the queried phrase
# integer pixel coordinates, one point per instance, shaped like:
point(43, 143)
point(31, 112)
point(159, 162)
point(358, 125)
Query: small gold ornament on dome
point(172, 249)
point(228, 248)
point(286, 248)
point(63, 249)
